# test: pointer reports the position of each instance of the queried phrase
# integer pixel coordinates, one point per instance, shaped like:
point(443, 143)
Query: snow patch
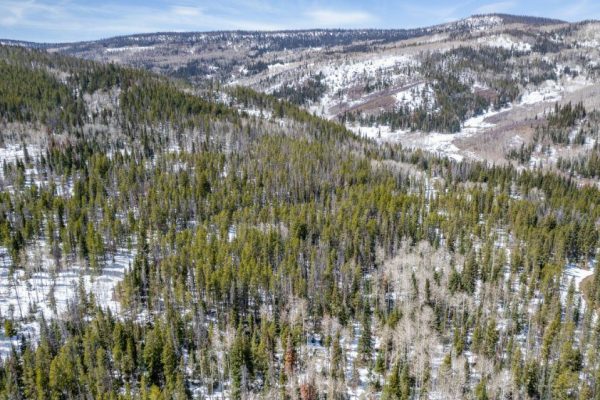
point(43, 289)
point(415, 96)
point(549, 91)
point(505, 42)
point(131, 49)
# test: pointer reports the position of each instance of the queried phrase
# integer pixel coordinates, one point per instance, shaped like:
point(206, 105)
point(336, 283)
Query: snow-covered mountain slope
point(488, 80)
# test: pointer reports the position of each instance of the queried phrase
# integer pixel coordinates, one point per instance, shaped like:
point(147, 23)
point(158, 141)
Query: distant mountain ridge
point(370, 33)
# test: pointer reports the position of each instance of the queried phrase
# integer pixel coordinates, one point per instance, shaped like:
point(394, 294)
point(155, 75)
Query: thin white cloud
point(70, 21)
point(497, 7)
point(579, 10)
point(186, 11)
point(15, 12)
point(338, 18)
point(263, 6)
point(423, 15)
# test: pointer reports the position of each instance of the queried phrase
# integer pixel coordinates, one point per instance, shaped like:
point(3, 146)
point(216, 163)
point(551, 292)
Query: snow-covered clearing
point(549, 91)
point(12, 153)
point(505, 42)
point(340, 77)
point(415, 96)
point(573, 274)
point(478, 123)
point(131, 49)
point(255, 112)
point(43, 289)
point(436, 142)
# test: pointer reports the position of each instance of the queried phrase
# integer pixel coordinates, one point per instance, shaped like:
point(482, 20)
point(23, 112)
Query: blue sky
point(75, 20)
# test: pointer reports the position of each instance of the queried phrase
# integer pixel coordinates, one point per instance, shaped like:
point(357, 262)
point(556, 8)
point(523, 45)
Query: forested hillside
point(163, 243)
